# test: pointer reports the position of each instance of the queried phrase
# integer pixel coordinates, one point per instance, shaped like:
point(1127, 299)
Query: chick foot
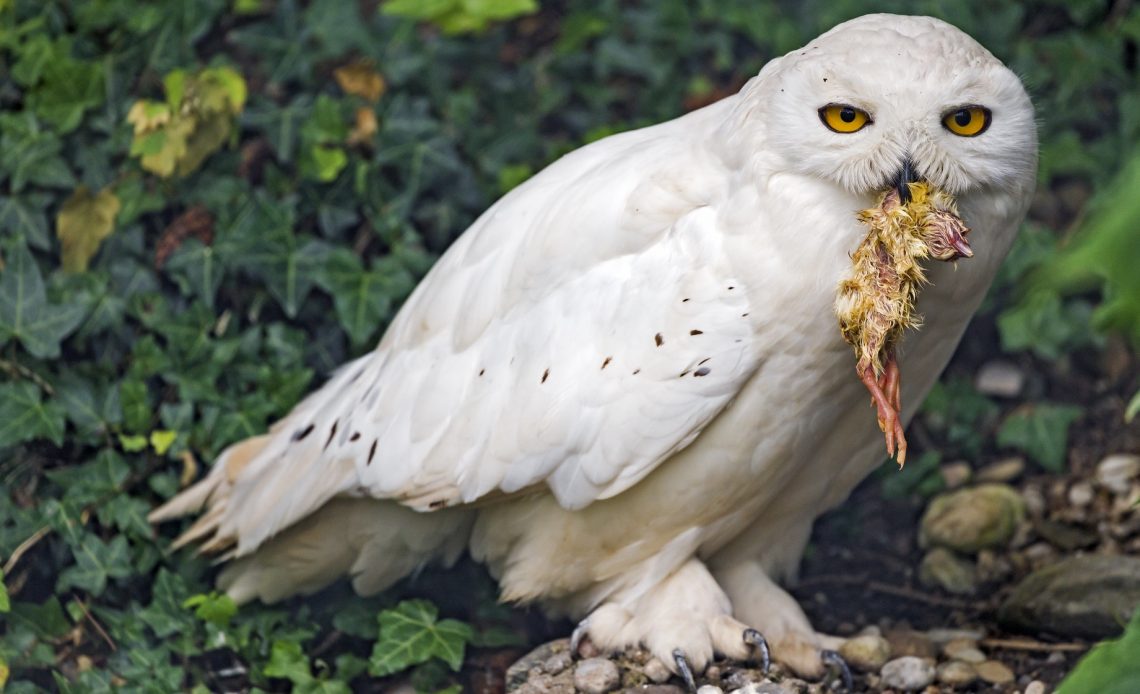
point(890, 420)
point(835, 662)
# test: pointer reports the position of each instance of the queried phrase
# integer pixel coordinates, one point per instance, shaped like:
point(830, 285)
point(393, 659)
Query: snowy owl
point(623, 388)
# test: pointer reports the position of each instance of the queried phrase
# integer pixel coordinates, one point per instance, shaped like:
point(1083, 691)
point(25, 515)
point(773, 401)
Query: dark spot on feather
point(356, 375)
point(696, 332)
point(744, 315)
point(438, 503)
point(703, 371)
point(703, 361)
point(684, 301)
point(302, 433)
point(481, 371)
point(332, 433)
point(731, 288)
point(683, 373)
point(545, 375)
point(636, 371)
point(355, 436)
point(607, 362)
point(371, 452)
point(658, 339)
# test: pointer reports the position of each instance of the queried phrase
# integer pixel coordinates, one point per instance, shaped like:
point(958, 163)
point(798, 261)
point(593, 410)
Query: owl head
point(885, 99)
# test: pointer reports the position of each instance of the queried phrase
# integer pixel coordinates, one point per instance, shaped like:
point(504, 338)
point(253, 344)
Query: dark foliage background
point(312, 185)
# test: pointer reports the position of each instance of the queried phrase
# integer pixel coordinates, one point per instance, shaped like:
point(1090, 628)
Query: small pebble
point(956, 673)
point(1034, 500)
point(1005, 470)
point(866, 653)
point(557, 663)
point(908, 673)
point(597, 676)
point(1000, 379)
point(1035, 687)
point(956, 474)
point(911, 642)
point(944, 569)
point(1116, 472)
point(994, 672)
point(1081, 494)
point(952, 647)
point(656, 671)
point(709, 689)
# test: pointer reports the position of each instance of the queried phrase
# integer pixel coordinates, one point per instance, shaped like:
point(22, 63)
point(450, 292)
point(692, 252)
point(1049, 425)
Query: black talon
point(577, 635)
point(755, 638)
point(833, 659)
point(686, 671)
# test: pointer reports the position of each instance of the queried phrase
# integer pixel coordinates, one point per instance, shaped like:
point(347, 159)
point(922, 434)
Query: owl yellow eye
point(843, 118)
point(967, 121)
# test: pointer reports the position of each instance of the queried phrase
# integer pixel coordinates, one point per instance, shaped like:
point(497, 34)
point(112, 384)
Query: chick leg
point(890, 421)
point(890, 382)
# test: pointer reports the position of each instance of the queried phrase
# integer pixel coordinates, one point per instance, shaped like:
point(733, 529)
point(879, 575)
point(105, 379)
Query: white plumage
point(623, 388)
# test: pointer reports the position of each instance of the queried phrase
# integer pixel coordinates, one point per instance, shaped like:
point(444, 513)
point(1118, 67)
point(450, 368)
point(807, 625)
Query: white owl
point(623, 388)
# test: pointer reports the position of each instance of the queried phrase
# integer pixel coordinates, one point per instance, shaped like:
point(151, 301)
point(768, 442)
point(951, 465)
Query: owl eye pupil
point(847, 115)
point(963, 118)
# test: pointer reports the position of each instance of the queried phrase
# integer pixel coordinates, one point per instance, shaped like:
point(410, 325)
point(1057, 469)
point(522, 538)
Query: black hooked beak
point(906, 176)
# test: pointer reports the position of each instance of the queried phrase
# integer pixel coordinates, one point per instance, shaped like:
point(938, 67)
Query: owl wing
point(584, 329)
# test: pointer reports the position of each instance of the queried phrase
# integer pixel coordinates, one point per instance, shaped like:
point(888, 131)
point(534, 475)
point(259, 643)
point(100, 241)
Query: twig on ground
point(95, 623)
point(911, 594)
point(1031, 645)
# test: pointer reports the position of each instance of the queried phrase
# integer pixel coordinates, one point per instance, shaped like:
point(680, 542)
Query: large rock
point(1085, 597)
point(972, 519)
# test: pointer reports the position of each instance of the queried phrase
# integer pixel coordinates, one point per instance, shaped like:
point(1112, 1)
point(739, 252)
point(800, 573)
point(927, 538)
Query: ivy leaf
point(1040, 430)
point(361, 297)
point(288, 661)
point(161, 440)
point(96, 562)
point(84, 221)
point(410, 634)
point(1111, 667)
point(25, 416)
point(5, 605)
point(25, 313)
point(216, 608)
point(24, 215)
point(30, 154)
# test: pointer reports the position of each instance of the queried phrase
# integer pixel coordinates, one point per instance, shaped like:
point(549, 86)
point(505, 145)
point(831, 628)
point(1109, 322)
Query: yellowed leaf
point(360, 79)
point(189, 469)
point(83, 222)
point(365, 128)
point(148, 115)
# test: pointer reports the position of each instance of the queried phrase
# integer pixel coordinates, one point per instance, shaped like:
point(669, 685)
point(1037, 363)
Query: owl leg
point(890, 421)
point(891, 381)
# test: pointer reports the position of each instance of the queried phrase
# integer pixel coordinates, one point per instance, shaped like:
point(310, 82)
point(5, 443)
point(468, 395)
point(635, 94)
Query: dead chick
point(876, 304)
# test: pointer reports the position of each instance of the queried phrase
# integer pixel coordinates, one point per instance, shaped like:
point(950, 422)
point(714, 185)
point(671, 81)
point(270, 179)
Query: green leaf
point(1111, 667)
point(215, 608)
point(410, 633)
point(25, 313)
point(161, 440)
point(1041, 431)
point(5, 605)
point(25, 416)
point(288, 661)
point(1133, 408)
point(133, 443)
point(95, 562)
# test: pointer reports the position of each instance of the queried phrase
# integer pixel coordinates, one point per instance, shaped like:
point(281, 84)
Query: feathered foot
point(890, 421)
